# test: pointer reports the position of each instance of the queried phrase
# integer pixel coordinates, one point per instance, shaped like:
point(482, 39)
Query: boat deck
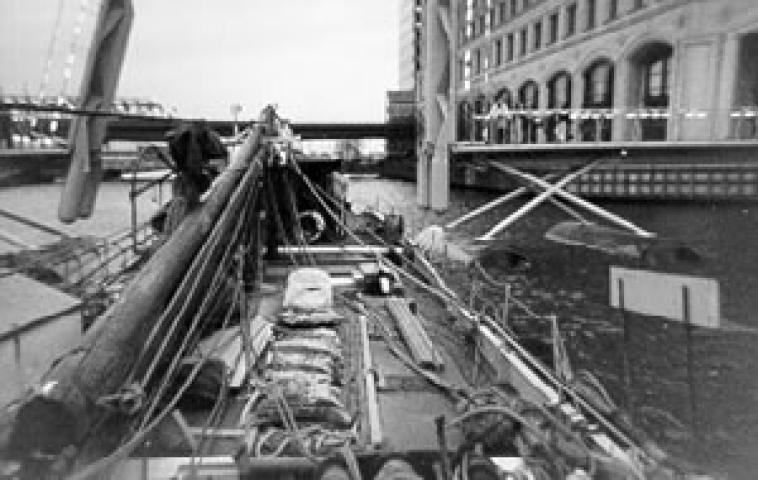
point(397, 416)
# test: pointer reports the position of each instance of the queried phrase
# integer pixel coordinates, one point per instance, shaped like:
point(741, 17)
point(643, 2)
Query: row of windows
point(546, 29)
point(652, 69)
point(505, 11)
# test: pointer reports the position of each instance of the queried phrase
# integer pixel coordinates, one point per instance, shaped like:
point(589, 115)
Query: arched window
point(650, 74)
point(598, 85)
point(505, 96)
point(501, 123)
point(558, 124)
point(559, 91)
point(529, 96)
point(598, 94)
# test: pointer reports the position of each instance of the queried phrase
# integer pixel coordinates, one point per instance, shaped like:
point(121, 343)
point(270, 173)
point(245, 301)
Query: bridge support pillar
point(437, 104)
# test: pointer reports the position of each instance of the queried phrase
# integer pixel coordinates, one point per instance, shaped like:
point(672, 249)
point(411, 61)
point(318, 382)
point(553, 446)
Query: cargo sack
point(324, 318)
point(310, 345)
point(308, 289)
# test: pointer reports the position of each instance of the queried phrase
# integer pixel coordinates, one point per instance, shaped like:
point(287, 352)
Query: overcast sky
point(320, 60)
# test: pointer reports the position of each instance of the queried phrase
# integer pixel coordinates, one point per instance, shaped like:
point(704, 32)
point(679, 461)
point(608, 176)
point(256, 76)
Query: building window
point(537, 36)
point(613, 9)
point(656, 84)
point(493, 18)
point(591, 10)
point(528, 96)
point(598, 93)
point(570, 20)
point(502, 12)
point(527, 4)
point(657, 80)
point(638, 4)
point(513, 8)
point(559, 91)
point(482, 23)
point(552, 28)
point(558, 124)
point(477, 61)
point(498, 52)
point(509, 48)
point(599, 85)
point(522, 42)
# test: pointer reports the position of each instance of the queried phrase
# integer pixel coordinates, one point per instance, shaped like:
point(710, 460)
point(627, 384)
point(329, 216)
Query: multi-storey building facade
point(542, 83)
point(533, 71)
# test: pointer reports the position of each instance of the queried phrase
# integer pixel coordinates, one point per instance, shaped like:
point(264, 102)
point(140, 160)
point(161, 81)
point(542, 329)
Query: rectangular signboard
point(672, 296)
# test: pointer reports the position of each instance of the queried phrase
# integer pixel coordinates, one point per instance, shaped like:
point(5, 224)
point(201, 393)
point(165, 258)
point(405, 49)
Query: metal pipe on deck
point(372, 403)
point(337, 250)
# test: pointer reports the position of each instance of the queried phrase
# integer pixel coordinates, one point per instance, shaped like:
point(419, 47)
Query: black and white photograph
point(379, 239)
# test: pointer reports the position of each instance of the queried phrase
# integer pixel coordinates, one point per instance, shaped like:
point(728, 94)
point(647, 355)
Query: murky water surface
point(40, 202)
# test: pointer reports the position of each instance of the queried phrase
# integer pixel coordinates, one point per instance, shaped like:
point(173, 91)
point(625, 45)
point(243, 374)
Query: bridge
point(43, 164)
point(143, 128)
point(151, 130)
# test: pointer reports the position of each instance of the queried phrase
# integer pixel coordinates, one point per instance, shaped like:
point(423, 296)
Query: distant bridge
point(152, 130)
point(149, 128)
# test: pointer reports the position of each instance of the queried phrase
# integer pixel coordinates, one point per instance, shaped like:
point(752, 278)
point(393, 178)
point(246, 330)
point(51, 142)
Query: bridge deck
point(668, 146)
point(725, 170)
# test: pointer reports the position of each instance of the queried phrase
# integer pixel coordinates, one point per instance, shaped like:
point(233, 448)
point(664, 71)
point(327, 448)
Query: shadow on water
point(706, 409)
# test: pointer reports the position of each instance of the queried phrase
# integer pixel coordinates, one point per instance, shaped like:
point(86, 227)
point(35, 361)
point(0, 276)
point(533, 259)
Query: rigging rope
point(453, 299)
point(223, 267)
point(200, 260)
point(219, 275)
point(125, 449)
point(191, 281)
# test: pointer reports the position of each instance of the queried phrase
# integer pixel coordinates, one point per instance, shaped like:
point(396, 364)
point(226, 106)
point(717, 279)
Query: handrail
point(104, 253)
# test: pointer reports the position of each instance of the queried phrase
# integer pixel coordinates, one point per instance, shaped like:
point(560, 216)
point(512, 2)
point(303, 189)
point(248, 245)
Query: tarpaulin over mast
point(98, 88)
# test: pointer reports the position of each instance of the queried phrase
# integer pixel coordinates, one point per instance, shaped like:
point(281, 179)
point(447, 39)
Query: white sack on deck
point(308, 289)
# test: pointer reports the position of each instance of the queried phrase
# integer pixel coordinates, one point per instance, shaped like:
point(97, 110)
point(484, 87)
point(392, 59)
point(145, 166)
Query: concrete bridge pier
point(437, 92)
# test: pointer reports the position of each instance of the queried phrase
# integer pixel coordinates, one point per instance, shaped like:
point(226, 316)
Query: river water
point(705, 410)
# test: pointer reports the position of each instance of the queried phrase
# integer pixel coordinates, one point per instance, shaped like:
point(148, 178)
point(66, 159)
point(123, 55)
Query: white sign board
point(665, 294)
